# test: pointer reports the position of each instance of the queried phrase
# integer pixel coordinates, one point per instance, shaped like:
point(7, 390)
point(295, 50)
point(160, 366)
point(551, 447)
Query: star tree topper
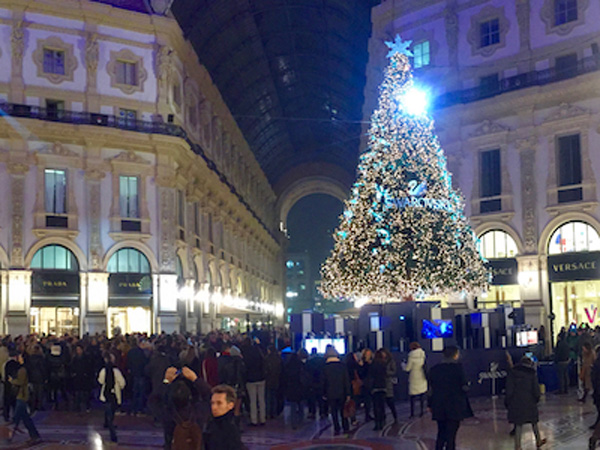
point(398, 46)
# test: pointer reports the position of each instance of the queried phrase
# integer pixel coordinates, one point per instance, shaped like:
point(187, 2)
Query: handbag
point(357, 384)
point(349, 410)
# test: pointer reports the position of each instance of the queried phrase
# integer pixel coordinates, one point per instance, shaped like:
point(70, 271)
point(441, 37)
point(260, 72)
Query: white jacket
point(417, 381)
point(119, 384)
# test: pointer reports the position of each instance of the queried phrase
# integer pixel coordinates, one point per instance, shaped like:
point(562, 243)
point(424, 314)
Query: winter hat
point(331, 352)
point(526, 361)
point(55, 350)
point(234, 351)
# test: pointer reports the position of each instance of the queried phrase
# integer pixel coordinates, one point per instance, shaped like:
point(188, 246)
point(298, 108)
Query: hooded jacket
point(417, 381)
point(522, 395)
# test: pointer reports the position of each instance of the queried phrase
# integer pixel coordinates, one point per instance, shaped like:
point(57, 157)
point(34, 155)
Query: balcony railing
point(521, 81)
point(111, 121)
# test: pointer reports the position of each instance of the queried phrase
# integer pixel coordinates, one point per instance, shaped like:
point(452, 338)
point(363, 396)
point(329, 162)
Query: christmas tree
point(403, 233)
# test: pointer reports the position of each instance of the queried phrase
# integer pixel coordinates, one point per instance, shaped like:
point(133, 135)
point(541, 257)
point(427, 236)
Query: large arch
point(307, 186)
point(148, 253)
point(58, 240)
point(496, 225)
point(561, 219)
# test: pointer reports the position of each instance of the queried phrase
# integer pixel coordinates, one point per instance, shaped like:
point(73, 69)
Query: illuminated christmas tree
point(403, 232)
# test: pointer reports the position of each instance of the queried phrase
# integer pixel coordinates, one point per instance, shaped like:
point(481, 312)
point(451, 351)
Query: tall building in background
point(299, 294)
point(131, 198)
point(514, 86)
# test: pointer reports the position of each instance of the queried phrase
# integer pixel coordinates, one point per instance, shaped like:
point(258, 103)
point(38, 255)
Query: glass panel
point(54, 257)
point(128, 260)
point(500, 244)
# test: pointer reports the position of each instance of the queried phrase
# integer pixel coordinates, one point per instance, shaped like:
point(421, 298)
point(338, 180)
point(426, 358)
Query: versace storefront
point(55, 291)
point(500, 249)
point(574, 275)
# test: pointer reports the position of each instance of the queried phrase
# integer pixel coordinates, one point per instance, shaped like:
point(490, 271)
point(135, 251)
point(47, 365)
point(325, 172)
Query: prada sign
point(58, 284)
point(574, 266)
point(504, 271)
point(130, 284)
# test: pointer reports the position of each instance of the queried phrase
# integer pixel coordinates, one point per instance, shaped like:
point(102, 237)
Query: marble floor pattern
point(563, 421)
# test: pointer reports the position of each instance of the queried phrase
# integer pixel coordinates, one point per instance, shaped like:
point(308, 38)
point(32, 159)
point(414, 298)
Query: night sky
point(311, 223)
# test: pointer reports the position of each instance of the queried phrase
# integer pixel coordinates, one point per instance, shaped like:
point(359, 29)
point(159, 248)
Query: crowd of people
point(200, 387)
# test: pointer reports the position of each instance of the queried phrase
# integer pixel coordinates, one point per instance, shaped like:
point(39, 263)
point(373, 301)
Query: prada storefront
point(55, 291)
point(129, 292)
point(500, 249)
point(574, 275)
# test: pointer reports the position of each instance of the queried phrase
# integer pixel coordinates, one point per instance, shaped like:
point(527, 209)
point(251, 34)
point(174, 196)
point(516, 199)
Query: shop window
point(569, 169)
point(422, 55)
point(497, 244)
point(565, 11)
point(489, 32)
point(54, 257)
point(128, 260)
point(574, 237)
point(491, 181)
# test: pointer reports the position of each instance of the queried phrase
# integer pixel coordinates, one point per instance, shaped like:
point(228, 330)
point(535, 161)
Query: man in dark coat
point(81, 376)
point(522, 396)
point(273, 375)
point(11, 367)
point(336, 385)
point(37, 371)
point(561, 362)
point(255, 381)
point(448, 400)
point(314, 367)
point(136, 364)
point(221, 432)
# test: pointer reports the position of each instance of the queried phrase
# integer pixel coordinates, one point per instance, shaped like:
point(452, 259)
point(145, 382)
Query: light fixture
point(415, 101)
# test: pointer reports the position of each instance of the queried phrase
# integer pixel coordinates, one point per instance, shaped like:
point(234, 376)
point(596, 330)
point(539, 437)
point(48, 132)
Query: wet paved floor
point(563, 421)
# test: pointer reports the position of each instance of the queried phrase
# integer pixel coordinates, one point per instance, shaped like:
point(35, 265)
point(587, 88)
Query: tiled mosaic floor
point(564, 422)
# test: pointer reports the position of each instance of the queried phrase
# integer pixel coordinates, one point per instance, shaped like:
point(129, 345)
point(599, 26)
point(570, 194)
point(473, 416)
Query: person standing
point(273, 375)
point(417, 380)
point(221, 432)
point(80, 379)
point(232, 371)
point(111, 382)
point(588, 356)
point(11, 367)
point(255, 381)
point(378, 374)
point(136, 364)
point(336, 386)
point(296, 385)
point(561, 363)
point(37, 372)
point(21, 385)
point(448, 400)
point(522, 397)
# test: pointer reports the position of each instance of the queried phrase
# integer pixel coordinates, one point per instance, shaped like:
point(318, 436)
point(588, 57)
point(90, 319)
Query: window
point(422, 55)
point(566, 65)
point(489, 33)
point(574, 237)
point(177, 94)
point(55, 109)
point(128, 260)
point(490, 180)
point(126, 73)
point(54, 61)
point(55, 182)
point(127, 117)
point(569, 169)
point(565, 11)
point(54, 257)
point(498, 244)
point(128, 197)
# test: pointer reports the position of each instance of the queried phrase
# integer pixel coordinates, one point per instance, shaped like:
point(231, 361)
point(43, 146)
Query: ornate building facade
point(517, 111)
point(130, 198)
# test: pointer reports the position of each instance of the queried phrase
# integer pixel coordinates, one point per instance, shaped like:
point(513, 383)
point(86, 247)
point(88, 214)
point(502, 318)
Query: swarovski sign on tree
point(403, 232)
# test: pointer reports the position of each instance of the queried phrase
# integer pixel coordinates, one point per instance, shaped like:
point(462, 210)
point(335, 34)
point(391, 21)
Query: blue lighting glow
point(415, 102)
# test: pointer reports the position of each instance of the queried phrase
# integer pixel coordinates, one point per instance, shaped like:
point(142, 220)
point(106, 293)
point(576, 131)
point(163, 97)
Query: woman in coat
point(112, 383)
point(378, 374)
point(522, 397)
point(417, 379)
point(391, 378)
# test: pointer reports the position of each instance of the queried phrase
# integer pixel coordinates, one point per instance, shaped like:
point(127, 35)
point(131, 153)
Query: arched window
point(128, 260)
point(54, 257)
point(179, 272)
point(574, 237)
point(498, 244)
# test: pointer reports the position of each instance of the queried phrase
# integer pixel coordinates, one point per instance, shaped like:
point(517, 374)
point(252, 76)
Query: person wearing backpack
point(185, 408)
point(20, 384)
point(112, 383)
point(11, 367)
point(221, 432)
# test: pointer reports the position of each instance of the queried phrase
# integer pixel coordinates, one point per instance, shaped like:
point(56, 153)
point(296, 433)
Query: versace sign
point(504, 271)
point(574, 266)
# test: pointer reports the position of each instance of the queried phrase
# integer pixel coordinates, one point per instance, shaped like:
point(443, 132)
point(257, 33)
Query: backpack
point(187, 434)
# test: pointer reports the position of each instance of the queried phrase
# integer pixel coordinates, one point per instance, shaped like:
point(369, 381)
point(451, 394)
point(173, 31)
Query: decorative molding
point(474, 34)
point(70, 62)
point(527, 143)
point(129, 157)
point(17, 168)
point(528, 199)
point(127, 55)
point(17, 41)
point(18, 198)
point(92, 54)
point(58, 149)
point(95, 175)
point(523, 18)
point(167, 229)
point(547, 16)
point(94, 202)
point(489, 127)
point(566, 111)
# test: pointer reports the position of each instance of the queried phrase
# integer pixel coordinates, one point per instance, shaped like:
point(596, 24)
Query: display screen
point(374, 318)
point(526, 338)
point(437, 329)
point(321, 345)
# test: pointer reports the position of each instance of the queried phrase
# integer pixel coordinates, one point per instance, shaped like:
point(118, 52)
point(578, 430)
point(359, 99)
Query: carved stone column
point(17, 171)
point(17, 41)
point(94, 177)
point(526, 149)
point(523, 13)
point(451, 23)
point(92, 53)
